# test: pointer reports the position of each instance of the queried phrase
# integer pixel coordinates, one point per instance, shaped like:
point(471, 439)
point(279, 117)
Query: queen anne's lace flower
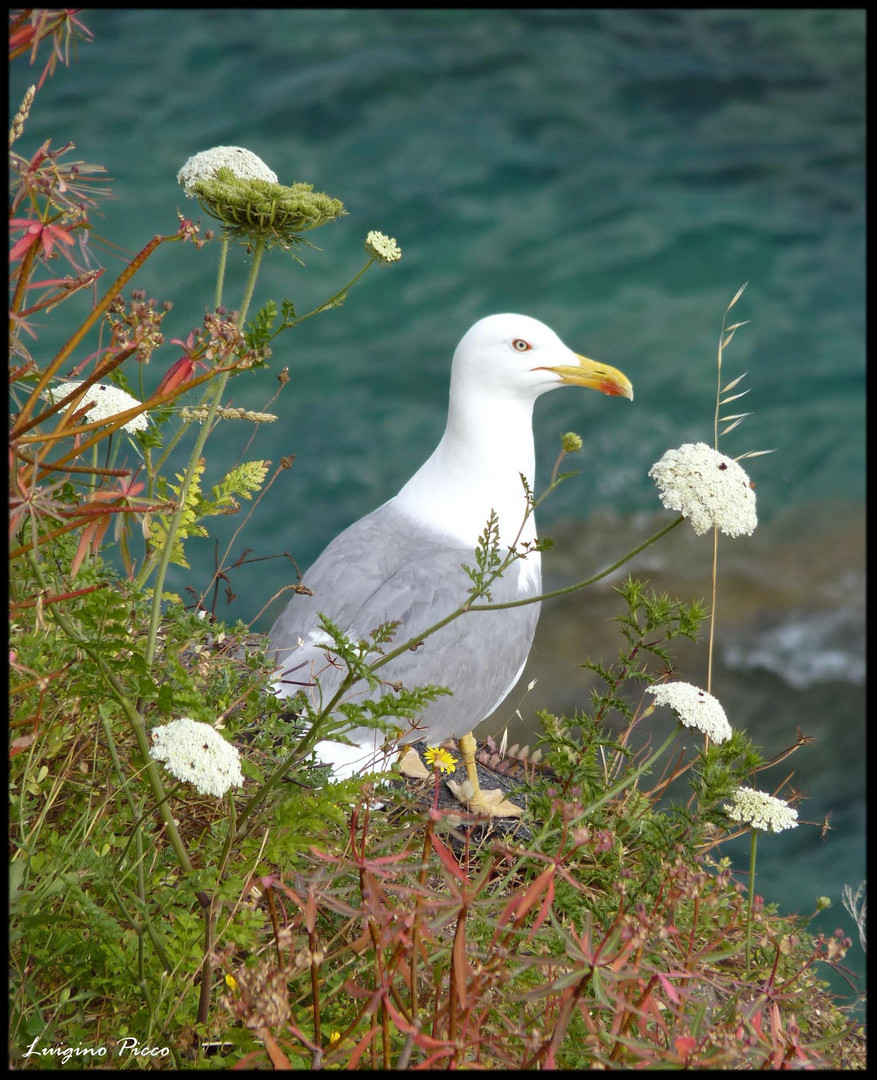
point(237, 188)
point(761, 811)
point(707, 488)
point(198, 753)
point(204, 166)
point(103, 401)
point(382, 247)
point(695, 708)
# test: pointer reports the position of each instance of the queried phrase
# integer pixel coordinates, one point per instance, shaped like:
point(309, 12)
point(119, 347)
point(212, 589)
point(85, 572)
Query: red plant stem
point(796, 975)
point(45, 538)
point(315, 989)
point(380, 980)
point(45, 29)
point(63, 430)
point(82, 282)
point(453, 1001)
point(19, 20)
point(415, 930)
point(91, 510)
point(89, 470)
point(22, 423)
point(23, 276)
point(101, 369)
point(18, 605)
point(694, 921)
point(630, 1013)
point(275, 925)
point(207, 961)
point(550, 1047)
point(84, 519)
point(114, 423)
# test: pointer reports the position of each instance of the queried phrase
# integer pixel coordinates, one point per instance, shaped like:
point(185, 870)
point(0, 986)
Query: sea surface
point(617, 174)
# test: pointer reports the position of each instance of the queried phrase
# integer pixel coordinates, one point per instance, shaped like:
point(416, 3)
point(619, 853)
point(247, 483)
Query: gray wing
point(387, 567)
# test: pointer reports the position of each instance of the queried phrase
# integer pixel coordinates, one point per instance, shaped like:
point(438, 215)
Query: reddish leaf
point(547, 900)
point(19, 744)
point(20, 247)
point(520, 905)
point(401, 1023)
point(90, 538)
point(360, 1048)
point(177, 374)
point(278, 1059)
point(278, 884)
point(668, 988)
point(311, 913)
point(448, 860)
point(437, 1056)
point(685, 1046)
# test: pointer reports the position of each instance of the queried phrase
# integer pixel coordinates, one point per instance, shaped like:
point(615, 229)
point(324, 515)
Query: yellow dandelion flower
point(440, 759)
point(231, 982)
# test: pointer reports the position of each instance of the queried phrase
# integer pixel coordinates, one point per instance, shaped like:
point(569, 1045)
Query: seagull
point(404, 562)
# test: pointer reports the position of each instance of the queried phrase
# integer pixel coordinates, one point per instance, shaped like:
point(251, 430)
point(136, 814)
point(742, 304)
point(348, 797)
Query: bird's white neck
point(476, 468)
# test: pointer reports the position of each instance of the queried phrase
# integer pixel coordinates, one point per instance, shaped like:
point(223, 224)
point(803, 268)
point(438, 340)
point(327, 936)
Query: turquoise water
point(617, 174)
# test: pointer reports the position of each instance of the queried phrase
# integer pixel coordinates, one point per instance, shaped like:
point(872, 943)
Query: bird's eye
point(520, 345)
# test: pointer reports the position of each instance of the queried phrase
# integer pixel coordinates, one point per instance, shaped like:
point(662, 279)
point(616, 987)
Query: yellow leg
point(468, 747)
point(476, 798)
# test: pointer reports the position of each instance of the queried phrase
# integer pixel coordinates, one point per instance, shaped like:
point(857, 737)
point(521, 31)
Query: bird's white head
point(501, 366)
point(520, 356)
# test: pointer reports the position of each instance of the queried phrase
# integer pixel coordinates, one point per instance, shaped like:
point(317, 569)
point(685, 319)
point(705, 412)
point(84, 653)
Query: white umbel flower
point(695, 708)
point(707, 488)
point(382, 247)
point(103, 401)
point(761, 811)
point(243, 163)
point(198, 753)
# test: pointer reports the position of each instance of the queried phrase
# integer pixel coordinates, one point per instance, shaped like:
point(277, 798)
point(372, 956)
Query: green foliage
point(194, 505)
point(261, 332)
point(359, 658)
point(185, 512)
point(113, 878)
point(242, 482)
point(488, 560)
point(296, 921)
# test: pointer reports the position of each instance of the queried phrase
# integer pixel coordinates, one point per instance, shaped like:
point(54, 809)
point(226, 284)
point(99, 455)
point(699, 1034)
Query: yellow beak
point(602, 377)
